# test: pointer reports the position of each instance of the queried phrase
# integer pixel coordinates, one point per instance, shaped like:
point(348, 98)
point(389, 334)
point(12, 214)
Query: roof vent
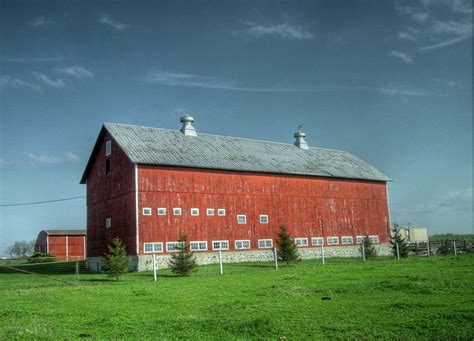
point(300, 142)
point(187, 128)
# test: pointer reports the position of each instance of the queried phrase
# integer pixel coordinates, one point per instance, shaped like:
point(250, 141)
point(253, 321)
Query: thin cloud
point(444, 43)
point(395, 89)
point(77, 72)
point(49, 159)
point(409, 34)
point(6, 163)
point(412, 12)
point(108, 20)
point(283, 30)
point(451, 201)
point(38, 22)
point(404, 57)
point(453, 27)
point(198, 81)
point(7, 81)
point(54, 83)
point(31, 60)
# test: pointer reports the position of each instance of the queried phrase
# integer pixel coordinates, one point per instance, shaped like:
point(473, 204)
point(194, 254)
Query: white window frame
point(176, 210)
point(108, 148)
point(220, 245)
point(154, 247)
point(265, 241)
point(360, 239)
point(168, 244)
point(299, 240)
point(108, 222)
point(345, 242)
point(374, 239)
point(317, 241)
point(221, 212)
point(163, 211)
point(265, 216)
point(331, 243)
point(148, 209)
point(241, 242)
point(194, 211)
point(198, 242)
point(241, 216)
point(210, 212)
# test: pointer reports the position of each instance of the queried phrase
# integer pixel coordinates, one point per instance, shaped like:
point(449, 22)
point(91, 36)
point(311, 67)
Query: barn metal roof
point(66, 232)
point(157, 146)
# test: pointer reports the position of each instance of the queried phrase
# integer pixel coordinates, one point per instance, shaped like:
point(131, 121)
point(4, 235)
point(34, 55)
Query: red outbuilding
point(63, 244)
point(146, 185)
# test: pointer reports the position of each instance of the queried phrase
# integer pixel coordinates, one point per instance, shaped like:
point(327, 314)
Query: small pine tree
point(369, 249)
point(115, 261)
point(183, 262)
point(396, 238)
point(286, 248)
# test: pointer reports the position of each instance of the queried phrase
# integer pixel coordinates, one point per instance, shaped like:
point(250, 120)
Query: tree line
point(21, 248)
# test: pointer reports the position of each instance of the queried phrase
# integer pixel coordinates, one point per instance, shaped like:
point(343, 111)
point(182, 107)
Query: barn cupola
point(187, 128)
point(300, 142)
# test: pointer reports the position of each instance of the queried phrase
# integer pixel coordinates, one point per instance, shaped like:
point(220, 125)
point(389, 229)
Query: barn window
point(152, 247)
point(347, 240)
point(198, 246)
point(241, 219)
point(265, 243)
point(242, 244)
point(146, 211)
point(195, 211)
point(317, 241)
point(359, 239)
point(221, 212)
point(333, 240)
point(263, 219)
point(161, 211)
point(108, 223)
point(108, 148)
point(301, 242)
point(173, 246)
point(220, 245)
point(107, 167)
point(210, 211)
point(374, 239)
point(176, 211)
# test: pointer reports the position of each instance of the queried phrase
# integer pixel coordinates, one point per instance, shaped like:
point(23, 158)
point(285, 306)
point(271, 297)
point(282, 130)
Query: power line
point(41, 202)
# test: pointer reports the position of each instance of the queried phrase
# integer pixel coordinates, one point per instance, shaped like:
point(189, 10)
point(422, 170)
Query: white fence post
point(154, 267)
point(220, 263)
point(363, 251)
point(322, 254)
point(428, 246)
point(275, 257)
point(398, 252)
point(455, 250)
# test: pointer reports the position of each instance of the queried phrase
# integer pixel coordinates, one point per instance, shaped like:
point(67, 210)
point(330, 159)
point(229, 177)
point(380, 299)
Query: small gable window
point(108, 148)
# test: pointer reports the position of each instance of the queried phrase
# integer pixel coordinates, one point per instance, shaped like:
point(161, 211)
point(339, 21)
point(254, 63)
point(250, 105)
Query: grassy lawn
point(427, 298)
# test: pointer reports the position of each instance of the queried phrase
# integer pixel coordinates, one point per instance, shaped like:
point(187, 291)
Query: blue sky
point(389, 81)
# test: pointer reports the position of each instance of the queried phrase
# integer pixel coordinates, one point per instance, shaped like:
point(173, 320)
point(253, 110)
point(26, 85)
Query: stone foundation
point(145, 262)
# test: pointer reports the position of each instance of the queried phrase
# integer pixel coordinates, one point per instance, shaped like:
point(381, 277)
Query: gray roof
point(65, 232)
point(156, 146)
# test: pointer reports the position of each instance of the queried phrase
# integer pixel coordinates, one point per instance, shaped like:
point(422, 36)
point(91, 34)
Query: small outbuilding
point(63, 244)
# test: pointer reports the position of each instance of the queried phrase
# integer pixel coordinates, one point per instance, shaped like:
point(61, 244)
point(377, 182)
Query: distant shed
point(63, 244)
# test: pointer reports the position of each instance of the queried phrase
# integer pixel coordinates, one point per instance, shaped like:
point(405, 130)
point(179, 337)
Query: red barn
point(145, 185)
point(63, 244)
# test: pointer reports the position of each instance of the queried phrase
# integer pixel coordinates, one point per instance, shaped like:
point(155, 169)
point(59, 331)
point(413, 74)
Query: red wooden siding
point(62, 247)
point(113, 196)
point(309, 206)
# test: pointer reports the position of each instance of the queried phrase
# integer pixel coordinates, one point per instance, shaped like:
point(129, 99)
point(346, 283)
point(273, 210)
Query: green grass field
point(416, 298)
